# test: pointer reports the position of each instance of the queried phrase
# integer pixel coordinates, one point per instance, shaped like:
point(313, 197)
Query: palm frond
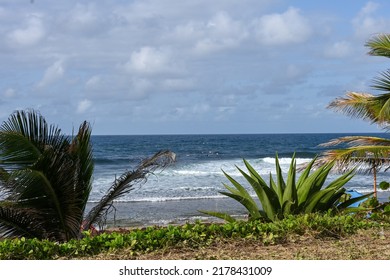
point(382, 101)
point(52, 175)
point(15, 222)
point(81, 152)
point(25, 135)
point(360, 158)
point(358, 141)
point(126, 183)
point(356, 104)
point(382, 83)
point(379, 45)
point(46, 178)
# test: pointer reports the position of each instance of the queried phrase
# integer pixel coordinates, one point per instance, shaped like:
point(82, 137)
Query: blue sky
point(178, 67)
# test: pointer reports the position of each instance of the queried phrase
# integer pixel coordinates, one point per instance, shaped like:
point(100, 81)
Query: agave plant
point(46, 179)
point(281, 197)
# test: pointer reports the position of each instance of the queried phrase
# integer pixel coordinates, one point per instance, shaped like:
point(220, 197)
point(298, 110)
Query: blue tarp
point(354, 194)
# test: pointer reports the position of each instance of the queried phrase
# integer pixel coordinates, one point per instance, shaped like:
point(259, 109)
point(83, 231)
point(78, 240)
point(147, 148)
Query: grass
point(364, 245)
point(372, 244)
point(310, 236)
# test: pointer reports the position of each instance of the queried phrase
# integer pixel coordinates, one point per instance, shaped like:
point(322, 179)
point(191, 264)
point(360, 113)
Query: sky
point(189, 67)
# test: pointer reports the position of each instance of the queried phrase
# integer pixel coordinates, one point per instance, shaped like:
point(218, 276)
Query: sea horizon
point(249, 133)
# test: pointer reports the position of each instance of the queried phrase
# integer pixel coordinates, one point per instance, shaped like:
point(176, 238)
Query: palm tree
point(368, 154)
point(46, 179)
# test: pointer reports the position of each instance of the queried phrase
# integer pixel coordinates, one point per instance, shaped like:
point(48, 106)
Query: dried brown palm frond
point(357, 141)
point(357, 105)
point(361, 158)
point(125, 183)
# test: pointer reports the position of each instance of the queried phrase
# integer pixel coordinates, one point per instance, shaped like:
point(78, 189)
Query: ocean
point(192, 183)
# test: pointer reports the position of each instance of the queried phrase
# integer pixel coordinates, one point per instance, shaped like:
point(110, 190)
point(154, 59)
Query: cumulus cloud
point(206, 36)
point(279, 29)
point(82, 18)
point(197, 59)
point(149, 60)
point(29, 34)
point(338, 50)
point(220, 32)
point(367, 23)
point(52, 74)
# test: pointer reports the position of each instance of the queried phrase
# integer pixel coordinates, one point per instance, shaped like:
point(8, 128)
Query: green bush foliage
point(139, 241)
point(281, 198)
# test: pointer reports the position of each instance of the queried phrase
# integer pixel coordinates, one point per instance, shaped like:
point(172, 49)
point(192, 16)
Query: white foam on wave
point(196, 172)
point(198, 180)
point(165, 199)
point(286, 161)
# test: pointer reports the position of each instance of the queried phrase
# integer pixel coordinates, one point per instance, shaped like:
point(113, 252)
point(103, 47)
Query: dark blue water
point(200, 160)
point(197, 175)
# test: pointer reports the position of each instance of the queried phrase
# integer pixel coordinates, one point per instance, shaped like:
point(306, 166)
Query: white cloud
point(52, 74)
point(149, 60)
point(30, 34)
point(203, 59)
point(279, 29)
point(338, 50)
point(83, 106)
point(221, 32)
point(82, 18)
point(369, 8)
point(366, 23)
point(218, 33)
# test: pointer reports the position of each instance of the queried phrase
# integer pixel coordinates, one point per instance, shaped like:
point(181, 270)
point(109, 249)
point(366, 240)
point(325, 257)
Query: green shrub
point(196, 235)
point(282, 198)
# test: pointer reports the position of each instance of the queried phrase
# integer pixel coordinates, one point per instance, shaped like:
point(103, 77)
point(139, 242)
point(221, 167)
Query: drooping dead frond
point(126, 183)
point(357, 141)
point(361, 158)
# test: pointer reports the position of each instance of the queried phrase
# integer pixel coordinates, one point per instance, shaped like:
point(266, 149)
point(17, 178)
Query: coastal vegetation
point(365, 153)
point(46, 179)
point(282, 198)
point(138, 243)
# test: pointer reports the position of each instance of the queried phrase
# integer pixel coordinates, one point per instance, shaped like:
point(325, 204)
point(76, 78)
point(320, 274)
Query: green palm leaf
point(16, 222)
point(379, 45)
point(47, 177)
